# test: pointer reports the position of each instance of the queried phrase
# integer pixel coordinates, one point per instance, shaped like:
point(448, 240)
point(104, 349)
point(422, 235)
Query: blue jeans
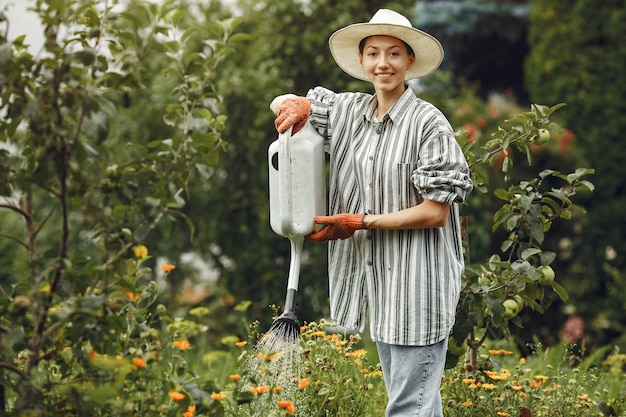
point(413, 377)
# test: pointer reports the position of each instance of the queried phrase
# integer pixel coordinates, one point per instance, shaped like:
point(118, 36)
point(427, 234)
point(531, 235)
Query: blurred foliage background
point(500, 56)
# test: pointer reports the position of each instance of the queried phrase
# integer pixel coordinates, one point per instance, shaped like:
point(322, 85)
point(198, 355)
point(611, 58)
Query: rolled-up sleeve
point(442, 174)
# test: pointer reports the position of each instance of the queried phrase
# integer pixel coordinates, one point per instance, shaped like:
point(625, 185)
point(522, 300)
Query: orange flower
point(489, 387)
point(304, 382)
point(167, 267)
point(191, 411)
point(535, 384)
point(260, 390)
point(92, 354)
point(132, 296)
point(218, 395)
point(182, 344)
point(287, 405)
point(278, 390)
point(357, 353)
point(139, 363)
point(494, 351)
point(176, 396)
point(241, 344)
point(235, 377)
point(503, 414)
point(522, 360)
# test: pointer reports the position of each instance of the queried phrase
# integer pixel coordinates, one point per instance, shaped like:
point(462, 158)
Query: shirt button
point(378, 132)
point(371, 185)
point(370, 263)
point(371, 158)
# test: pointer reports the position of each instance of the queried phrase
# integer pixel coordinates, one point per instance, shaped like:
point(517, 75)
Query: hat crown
point(389, 17)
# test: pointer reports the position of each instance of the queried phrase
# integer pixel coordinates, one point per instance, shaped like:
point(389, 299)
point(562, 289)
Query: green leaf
point(527, 253)
point(560, 290)
point(536, 230)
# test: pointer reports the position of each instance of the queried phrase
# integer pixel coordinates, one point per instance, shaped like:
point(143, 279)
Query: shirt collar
point(396, 112)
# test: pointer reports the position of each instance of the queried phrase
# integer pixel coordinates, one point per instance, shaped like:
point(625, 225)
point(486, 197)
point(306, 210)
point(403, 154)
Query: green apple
point(548, 275)
point(520, 301)
point(511, 308)
point(542, 136)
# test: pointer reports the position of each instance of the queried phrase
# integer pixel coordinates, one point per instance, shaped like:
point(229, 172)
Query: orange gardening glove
point(292, 112)
point(339, 226)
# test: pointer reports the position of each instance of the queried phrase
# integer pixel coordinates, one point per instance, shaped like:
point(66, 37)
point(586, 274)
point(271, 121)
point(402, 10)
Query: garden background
point(137, 262)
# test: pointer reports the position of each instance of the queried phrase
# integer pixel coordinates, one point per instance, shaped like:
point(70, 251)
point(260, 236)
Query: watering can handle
point(284, 181)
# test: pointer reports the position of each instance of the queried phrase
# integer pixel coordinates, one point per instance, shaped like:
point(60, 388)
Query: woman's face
point(386, 60)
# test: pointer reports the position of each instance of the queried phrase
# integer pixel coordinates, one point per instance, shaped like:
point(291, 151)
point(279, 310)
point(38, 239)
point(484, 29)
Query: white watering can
point(297, 188)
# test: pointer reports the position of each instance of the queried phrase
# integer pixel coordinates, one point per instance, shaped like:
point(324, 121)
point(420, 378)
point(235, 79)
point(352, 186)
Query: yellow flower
point(467, 403)
point(584, 398)
point(542, 378)
point(489, 387)
point(140, 251)
point(176, 396)
point(218, 395)
point(469, 380)
point(182, 344)
point(517, 387)
point(139, 363)
point(503, 414)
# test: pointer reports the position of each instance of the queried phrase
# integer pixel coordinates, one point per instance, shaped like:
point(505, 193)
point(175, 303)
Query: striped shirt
point(407, 281)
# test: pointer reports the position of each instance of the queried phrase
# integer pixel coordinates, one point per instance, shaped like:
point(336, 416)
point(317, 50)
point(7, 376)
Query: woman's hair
point(408, 47)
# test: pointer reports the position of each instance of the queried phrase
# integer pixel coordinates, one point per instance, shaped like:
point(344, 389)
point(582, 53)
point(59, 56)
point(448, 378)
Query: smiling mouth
point(384, 75)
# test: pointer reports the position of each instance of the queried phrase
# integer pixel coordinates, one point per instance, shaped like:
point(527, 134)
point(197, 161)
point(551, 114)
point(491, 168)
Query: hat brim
point(344, 47)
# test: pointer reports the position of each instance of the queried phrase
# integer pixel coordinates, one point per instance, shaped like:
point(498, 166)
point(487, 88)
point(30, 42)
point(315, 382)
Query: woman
point(397, 178)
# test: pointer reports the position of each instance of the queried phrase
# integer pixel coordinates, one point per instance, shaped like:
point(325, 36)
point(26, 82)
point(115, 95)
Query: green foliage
point(576, 55)
point(75, 198)
point(494, 293)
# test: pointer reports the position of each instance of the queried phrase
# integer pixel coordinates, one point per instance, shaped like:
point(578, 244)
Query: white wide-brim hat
point(344, 44)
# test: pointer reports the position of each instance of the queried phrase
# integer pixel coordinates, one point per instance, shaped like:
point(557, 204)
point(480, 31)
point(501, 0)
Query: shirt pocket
point(404, 193)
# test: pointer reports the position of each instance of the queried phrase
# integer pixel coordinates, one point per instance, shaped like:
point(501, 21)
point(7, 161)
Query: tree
point(82, 196)
point(576, 56)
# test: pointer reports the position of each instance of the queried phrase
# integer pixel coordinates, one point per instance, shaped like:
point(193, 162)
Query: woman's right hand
point(292, 110)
